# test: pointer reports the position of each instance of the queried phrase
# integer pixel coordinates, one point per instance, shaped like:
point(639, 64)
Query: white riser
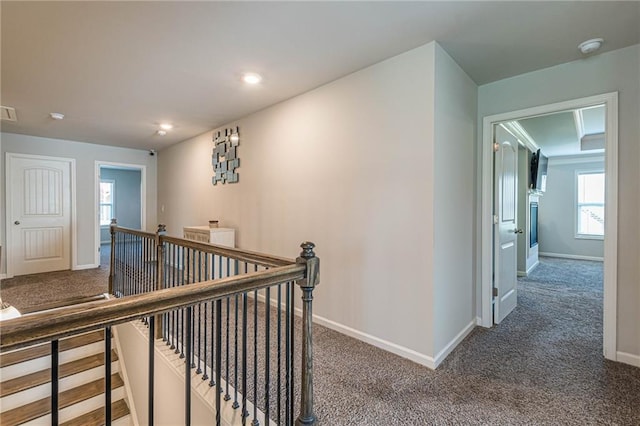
point(30, 395)
point(78, 409)
point(123, 421)
point(27, 367)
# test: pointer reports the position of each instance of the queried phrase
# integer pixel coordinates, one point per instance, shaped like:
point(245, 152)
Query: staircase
point(25, 386)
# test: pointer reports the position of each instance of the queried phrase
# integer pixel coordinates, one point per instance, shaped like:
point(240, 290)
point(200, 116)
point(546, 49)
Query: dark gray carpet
point(542, 365)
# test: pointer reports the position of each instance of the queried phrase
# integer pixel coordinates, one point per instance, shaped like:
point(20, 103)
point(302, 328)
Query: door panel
point(505, 235)
point(40, 214)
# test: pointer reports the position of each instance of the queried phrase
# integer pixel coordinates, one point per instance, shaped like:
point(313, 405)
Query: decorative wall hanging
point(225, 156)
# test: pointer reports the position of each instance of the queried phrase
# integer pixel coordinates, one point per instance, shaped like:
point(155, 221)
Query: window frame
point(577, 204)
point(112, 203)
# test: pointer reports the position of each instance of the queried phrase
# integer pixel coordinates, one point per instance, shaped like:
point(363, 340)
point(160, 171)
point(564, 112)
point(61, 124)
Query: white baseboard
point(410, 354)
point(522, 274)
point(85, 266)
point(3, 276)
point(479, 321)
point(454, 342)
point(572, 256)
point(628, 358)
point(394, 348)
point(533, 267)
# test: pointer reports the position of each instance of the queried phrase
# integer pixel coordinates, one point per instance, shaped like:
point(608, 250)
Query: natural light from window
point(590, 204)
point(107, 189)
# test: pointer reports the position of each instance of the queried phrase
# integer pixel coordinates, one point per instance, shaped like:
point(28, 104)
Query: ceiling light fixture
point(251, 78)
point(56, 115)
point(590, 46)
point(161, 132)
point(166, 126)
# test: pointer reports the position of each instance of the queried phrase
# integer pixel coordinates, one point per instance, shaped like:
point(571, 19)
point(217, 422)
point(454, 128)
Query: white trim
point(575, 159)
point(402, 351)
point(125, 376)
point(534, 265)
point(85, 266)
point(454, 342)
point(571, 256)
point(3, 276)
point(143, 197)
point(73, 231)
point(610, 100)
point(628, 358)
point(479, 321)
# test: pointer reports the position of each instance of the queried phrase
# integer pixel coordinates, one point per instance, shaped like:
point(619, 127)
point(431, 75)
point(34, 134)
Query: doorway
point(120, 195)
point(487, 256)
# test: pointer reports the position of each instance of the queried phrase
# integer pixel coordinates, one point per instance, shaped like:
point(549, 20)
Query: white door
point(505, 229)
point(40, 214)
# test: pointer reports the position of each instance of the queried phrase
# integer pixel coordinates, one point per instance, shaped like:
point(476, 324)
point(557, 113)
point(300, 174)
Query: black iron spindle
point(218, 360)
point(288, 397)
point(54, 382)
point(267, 326)
point(227, 397)
point(279, 352)
point(107, 375)
point(245, 412)
point(152, 332)
point(187, 370)
point(255, 421)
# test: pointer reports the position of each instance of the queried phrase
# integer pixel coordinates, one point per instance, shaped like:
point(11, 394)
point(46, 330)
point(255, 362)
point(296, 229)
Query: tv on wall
point(538, 178)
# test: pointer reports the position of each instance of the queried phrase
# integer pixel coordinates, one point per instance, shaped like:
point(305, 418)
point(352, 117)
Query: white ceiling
point(118, 69)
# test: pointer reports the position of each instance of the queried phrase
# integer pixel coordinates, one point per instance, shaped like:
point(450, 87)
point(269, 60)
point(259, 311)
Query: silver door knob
point(518, 231)
point(17, 222)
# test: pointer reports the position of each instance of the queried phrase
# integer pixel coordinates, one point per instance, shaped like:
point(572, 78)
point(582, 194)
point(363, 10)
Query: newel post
point(112, 257)
point(160, 233)
point(308, 257)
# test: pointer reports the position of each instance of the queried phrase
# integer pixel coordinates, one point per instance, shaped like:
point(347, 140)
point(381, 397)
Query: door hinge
point(496, 147)
point(495, 219)
point(495, 292)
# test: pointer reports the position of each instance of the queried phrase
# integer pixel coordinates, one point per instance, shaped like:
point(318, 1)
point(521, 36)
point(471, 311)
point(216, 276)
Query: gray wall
point(557, 213)
point(352, 166)
point(608, 72)
point(85, 155)
point(127, 201)
point(455, 122)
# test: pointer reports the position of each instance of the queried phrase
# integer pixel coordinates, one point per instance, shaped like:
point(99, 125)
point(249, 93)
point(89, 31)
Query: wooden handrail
point(46, 326)
point(62, 303)
point(137, 232)
point(232, 253)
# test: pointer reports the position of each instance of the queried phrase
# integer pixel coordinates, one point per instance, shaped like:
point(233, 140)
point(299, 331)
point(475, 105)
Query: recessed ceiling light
point(251, 78)
point(161, 132)
point(56, 115)
point(166, 126)
point(590, 46)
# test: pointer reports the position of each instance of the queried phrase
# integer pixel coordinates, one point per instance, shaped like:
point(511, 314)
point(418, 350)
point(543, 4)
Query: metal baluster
point(255, 421)
point(107, 375)
point(292, 332)
point(182, 311)
point(199, 370)
point(213, 341)
point(267, 326)
point(227, 397)
point(279, 350)
point(187, 371)
point(288, 397)
point(245, 412)
point(218, 359)
point(54, 382)
point(174, 313)
point(152, 332)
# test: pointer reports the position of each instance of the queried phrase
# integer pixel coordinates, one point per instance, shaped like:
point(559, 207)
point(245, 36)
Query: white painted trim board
point(628, 358)
point(571, 256)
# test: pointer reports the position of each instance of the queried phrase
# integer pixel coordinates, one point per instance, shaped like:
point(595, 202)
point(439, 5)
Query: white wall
point(453, 174)
point(347, 166)
point(608, 72)
point(85, 155)
point(557, 212)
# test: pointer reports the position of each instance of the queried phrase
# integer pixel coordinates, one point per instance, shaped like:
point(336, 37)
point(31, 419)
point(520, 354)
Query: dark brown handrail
point(46, 326)
point(62, 303)
point(137, 232)
point(233, 253)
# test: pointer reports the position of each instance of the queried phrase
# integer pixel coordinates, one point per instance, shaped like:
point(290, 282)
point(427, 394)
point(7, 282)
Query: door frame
point(143, 197)
point(9, 205)
point(485, 258)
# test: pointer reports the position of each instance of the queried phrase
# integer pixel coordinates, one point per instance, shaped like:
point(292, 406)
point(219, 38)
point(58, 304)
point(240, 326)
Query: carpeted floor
point(542, 365)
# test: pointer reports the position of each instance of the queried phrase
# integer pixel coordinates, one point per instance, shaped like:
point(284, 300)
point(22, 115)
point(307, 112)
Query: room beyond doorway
point(120, 194)
point(486, 256)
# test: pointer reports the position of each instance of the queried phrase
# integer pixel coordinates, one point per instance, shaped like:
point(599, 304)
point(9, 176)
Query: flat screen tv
point(538, 178)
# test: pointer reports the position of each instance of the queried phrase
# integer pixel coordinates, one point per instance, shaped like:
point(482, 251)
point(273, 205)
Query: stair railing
point(204, 301)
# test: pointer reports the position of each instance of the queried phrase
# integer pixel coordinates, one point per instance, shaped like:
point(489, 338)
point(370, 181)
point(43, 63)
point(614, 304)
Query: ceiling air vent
point(8, 113)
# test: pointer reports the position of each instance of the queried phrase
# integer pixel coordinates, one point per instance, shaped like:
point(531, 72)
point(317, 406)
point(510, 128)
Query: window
point(590, 205)
point(107, 201)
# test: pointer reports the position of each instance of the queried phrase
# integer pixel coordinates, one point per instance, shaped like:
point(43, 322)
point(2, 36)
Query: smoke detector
point(8, 113)
point(590, 46)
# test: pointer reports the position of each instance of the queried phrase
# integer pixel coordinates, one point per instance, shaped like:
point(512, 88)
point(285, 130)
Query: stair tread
point(44, 349)
point(38, 378)
point(67, 398)
point(96, 417)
